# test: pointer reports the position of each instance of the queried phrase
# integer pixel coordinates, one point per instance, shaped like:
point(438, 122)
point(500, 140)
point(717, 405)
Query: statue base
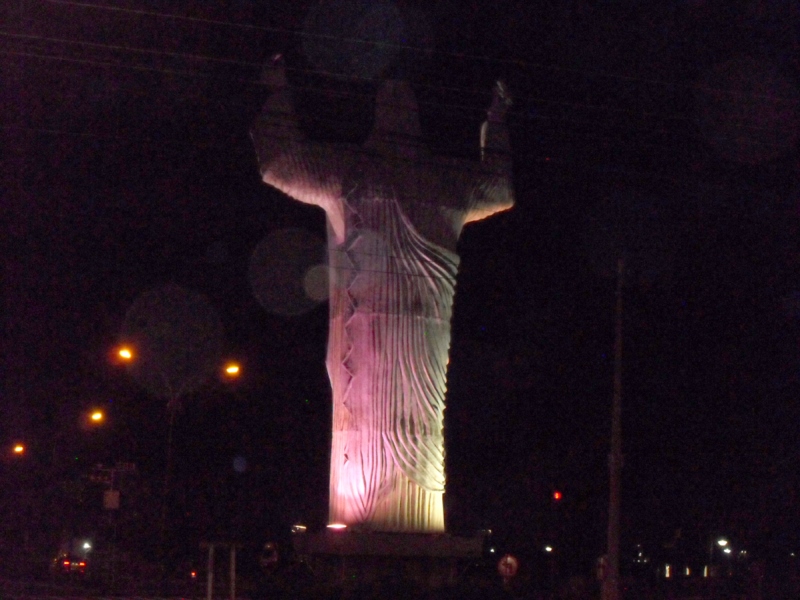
point(393, 564)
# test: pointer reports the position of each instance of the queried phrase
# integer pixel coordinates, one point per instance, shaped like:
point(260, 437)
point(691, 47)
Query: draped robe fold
point(393, 222)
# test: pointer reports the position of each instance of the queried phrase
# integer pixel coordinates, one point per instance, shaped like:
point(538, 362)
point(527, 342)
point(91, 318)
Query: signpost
point(507, 566)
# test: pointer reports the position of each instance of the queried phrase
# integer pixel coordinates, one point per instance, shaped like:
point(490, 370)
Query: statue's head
point(396, 130)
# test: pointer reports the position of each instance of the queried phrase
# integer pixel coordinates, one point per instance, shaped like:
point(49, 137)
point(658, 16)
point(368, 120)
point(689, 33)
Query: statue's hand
point(501, 101)
point(273, 75)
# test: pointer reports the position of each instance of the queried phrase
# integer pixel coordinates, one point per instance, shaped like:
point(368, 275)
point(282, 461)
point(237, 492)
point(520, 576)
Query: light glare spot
point(315, 283)
point(283, 272)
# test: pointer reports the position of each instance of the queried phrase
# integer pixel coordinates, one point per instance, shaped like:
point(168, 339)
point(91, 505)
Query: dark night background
point(668, 128)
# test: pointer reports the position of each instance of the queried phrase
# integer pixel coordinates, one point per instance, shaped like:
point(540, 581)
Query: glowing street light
point(125, 353)
point(722, 543)
point(96, 416)
point(232, 369)
point(19, 449)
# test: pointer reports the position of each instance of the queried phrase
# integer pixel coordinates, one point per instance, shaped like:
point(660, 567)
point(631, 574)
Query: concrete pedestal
point(388, 561)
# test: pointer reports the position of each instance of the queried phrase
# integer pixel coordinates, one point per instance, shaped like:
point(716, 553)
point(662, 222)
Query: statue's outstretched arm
point(306, 171)
point(491, 188)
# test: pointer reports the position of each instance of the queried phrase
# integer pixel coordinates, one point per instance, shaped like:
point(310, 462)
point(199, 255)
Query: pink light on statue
point(394, 215)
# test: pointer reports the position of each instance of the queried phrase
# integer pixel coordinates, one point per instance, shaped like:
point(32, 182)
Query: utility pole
point(611, 581)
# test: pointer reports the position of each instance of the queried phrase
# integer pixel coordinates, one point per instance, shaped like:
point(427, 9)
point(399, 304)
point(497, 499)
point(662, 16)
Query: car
point(70, 565)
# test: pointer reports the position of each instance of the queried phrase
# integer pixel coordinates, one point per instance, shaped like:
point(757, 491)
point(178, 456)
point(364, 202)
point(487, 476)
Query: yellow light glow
point(125, 353)
point(232, 369)
point(337, 526)
point(97, 416)
point(19, 449)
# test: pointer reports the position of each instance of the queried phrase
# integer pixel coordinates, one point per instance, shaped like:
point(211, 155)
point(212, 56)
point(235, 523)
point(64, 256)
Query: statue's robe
point(394, 215)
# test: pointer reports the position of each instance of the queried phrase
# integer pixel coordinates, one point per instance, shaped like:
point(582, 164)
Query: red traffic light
point(557, 495)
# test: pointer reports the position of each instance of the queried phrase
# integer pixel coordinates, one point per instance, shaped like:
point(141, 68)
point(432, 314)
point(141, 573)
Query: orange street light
point(96, 416)
point(19, 449)
point(125, 353)
point(232, 369)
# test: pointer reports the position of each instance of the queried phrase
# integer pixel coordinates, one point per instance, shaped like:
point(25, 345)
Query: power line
point(456, 109)
point(152, 13)
point(459, 55)
point(133, 50)
point(461, 108)
point(519, 63)
point(637, 114)
point(111, 64)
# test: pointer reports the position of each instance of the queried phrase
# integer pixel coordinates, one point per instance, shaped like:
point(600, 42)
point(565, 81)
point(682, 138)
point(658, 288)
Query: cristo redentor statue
point(394, 215)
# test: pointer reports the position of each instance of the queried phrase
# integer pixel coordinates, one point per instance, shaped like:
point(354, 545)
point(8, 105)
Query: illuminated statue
point(394, 214)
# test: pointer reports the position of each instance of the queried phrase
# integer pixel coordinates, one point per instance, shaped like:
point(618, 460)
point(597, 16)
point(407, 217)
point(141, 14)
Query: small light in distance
point(125, 353)
point(19, 449)
point(232, 369)
point(548, 548)
point(96, 416)
point(337, 526)
point(727, 550)
point(557, 495)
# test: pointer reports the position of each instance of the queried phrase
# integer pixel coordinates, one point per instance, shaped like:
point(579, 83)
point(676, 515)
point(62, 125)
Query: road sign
point(508, 566)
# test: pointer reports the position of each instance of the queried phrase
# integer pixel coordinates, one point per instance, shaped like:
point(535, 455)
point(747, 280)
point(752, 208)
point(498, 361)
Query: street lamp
point(232, 370)
point(87, 420)
point(722, 543)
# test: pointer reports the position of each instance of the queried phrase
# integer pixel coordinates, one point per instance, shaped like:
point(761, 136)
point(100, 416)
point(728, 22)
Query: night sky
point(669, 131)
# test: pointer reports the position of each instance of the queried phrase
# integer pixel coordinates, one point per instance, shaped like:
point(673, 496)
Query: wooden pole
point(611, 582)
point(233, 571)
point(210, 574)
